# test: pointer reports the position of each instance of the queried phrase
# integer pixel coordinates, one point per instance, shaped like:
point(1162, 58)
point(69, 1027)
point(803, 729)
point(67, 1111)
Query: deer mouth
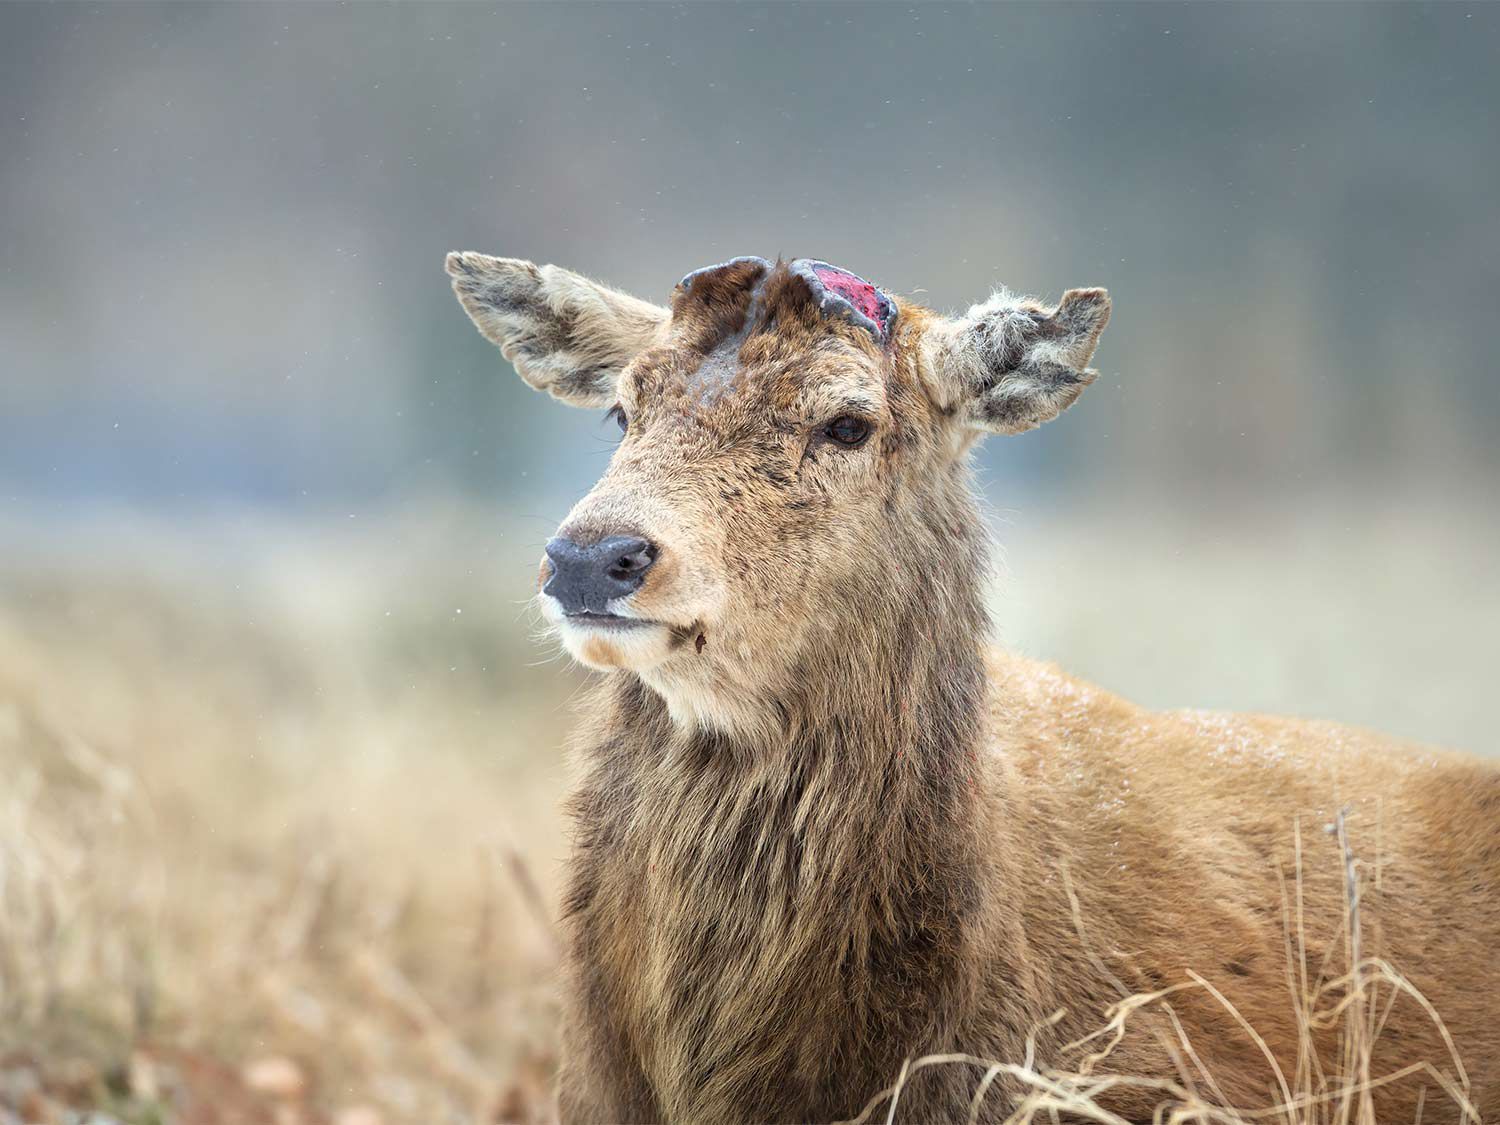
point(609, 621)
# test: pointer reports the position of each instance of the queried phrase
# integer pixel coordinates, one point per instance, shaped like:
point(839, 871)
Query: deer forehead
point(750, 335)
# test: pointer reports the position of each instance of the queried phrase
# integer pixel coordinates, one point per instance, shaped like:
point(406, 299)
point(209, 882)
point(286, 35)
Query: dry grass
point(278, 836)
point(260, 864)
point(1356, 1002)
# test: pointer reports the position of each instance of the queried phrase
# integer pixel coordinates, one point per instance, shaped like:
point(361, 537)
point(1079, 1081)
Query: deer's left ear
point(1010, 364)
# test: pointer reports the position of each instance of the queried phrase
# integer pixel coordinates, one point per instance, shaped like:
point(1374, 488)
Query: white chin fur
point(634, 647)
point(644, 649)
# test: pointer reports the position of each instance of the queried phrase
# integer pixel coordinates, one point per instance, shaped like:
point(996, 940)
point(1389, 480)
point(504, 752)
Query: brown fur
point(821, 828)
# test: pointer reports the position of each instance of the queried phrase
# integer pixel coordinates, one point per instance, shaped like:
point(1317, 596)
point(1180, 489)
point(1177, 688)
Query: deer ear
point(1010, 364)
point(565, 334)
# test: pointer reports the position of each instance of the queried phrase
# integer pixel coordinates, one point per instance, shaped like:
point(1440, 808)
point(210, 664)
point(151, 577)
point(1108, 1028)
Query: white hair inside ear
point(565, 334)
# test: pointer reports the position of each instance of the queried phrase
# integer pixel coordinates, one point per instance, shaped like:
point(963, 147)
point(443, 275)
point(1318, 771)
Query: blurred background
point(279, 753)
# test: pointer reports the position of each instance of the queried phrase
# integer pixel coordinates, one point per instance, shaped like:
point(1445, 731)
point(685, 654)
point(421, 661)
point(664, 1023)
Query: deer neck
point(833, 869)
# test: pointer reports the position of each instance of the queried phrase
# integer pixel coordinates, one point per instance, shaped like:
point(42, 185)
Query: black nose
point(585, 578)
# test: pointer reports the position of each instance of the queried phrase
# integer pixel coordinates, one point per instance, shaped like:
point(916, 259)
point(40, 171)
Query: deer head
point(792, 472)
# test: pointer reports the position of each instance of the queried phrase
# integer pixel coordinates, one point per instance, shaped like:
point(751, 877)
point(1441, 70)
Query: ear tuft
point(565, 334)
point(1086, 313)
point(1010, 363)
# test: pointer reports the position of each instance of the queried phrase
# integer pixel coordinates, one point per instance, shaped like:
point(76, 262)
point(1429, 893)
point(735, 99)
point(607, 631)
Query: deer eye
point(848, 431)
point(617, 412)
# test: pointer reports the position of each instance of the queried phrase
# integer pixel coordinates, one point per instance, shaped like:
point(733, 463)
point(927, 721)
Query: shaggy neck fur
point(746, 906)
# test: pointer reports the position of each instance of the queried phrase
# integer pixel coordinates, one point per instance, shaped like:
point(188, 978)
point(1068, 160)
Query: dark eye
point(848, 431)
point(617, 412)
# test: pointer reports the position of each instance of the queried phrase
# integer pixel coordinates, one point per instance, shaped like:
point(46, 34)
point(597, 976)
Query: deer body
point(822, 829)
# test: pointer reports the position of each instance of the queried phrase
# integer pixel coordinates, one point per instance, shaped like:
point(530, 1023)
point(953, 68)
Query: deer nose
point(585, 577)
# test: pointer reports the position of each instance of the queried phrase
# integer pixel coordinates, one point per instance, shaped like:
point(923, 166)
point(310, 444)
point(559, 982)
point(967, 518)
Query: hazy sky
point(222, 226)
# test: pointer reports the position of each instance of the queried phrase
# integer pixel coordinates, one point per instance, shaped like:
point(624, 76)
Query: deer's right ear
point(1011, 363)
point(565, 334)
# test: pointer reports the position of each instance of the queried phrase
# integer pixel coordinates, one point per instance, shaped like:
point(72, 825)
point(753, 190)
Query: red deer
point(822, 828)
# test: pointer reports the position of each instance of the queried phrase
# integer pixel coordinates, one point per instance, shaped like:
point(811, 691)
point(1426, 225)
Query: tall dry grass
point(1355, 1001)
point(266, 861)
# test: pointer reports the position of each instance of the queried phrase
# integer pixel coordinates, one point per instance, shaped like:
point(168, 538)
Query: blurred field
point(273, 806)
point(278, 831)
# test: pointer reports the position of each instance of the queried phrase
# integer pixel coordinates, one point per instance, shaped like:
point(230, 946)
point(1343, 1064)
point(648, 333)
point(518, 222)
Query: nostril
point(631, 559)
